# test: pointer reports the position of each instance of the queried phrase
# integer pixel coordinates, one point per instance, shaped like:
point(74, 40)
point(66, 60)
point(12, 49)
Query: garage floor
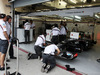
point(31, 67)
point(85, 62)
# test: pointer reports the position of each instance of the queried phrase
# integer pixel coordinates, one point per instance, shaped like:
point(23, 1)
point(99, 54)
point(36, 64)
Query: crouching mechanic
point(49, 61)
point(40, 42)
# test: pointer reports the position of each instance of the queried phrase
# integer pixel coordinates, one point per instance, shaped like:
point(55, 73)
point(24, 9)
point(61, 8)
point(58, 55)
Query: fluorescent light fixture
point(83, 1)
point(97, 16)
point(68, 17)
point(62, 2)
point(38, 10)
point(94, 0)
point(73, 1)
point(77, 17)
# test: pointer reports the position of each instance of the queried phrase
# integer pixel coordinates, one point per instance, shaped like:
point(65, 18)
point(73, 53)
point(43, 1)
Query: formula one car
point(67, 51)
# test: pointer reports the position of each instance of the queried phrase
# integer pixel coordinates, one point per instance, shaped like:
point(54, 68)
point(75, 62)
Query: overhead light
point(38, 10)
point(97, 16)
point(83, 1)
point(94, 0)
point(62, 3)
point(77, 17)
point(68, 17)
point(73, 1)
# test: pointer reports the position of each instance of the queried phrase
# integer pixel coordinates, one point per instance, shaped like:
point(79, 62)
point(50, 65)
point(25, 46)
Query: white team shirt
point(40, 40)
point(2, 29)
point(50, 49)
point(63, 31)
point(27, 26)
point(8, 28)
point(55, 31)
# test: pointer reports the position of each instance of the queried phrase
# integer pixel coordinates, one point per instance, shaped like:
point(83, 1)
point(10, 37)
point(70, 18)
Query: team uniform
point(11, 52)
point(48, 56)
point(39, 45)
point(27, 26)
point(63, 33)
point(55, 35)
point(3, 40)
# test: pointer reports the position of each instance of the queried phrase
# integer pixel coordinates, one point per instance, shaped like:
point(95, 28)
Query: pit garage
point(45, 13)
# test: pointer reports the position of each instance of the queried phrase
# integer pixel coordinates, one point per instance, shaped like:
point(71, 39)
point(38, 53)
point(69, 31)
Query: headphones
point(2, 15)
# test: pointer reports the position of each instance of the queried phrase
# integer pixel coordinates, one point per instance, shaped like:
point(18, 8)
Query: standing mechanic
point(63, 31)
point(8, 24)
point(75, 29)
point(49, 61)
point(3, 41)
point(55, 34)
point(33, 27)
point(27, 26)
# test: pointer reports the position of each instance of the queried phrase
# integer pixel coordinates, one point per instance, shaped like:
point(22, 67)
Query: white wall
point(3, 8)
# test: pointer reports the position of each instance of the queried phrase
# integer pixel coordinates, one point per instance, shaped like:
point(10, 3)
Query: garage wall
point(37, 25)
point(3, 8)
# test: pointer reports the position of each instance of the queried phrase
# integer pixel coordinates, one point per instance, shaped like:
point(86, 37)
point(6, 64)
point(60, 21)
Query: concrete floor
point(32, 67)
point(85, 62)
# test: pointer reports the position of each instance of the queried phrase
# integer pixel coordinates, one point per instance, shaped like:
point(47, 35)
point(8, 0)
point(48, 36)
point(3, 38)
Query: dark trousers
point(49, 60)
point(34, 33)
point(55, 39)
point(62, 38)
point(11, 51)
point(38, 50)
point(27, 36)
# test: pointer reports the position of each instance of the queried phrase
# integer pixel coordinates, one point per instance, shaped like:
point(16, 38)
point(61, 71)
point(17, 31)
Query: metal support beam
point(12, 12)
point(21, 3)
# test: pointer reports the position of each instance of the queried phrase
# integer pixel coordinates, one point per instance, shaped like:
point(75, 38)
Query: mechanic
point(8, 26)
point(75, 29)
point(55, 34)
point(3, 41)
point(63, 31)
point(49, 61)
point(40, 42)
point(27, 26)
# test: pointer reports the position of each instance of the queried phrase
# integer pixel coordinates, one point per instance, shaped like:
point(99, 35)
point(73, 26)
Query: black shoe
point(67, 66)
point(8, 60)
point(3, 68)
point(71, 69)
point(98, 60)
point(13, 58)
point(29, 54)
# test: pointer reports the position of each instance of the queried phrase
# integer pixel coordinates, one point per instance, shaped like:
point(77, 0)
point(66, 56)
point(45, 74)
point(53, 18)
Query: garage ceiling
point(61, 5)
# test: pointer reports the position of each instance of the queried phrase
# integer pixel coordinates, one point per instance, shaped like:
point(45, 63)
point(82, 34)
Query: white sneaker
point(47, 68)
point(41, 59)
point(43, 67)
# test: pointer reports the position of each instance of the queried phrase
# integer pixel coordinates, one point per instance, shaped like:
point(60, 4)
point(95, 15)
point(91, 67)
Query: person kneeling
point(49, 61)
